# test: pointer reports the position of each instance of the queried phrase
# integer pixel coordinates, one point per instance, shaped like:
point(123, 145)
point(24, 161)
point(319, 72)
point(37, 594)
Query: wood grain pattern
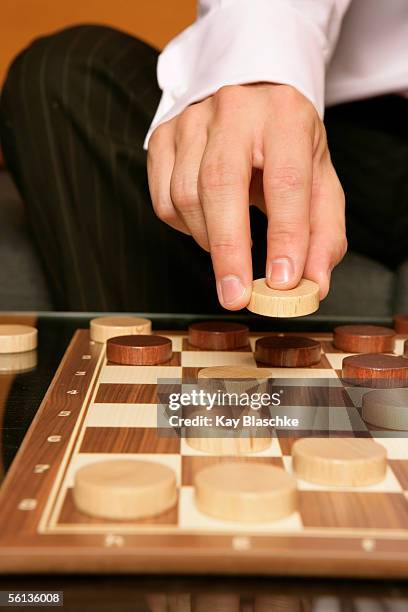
point(375, 370)
point(186, 347)
point(128, 440)
point(235, 379)
point(193, 464)
point(288, 351)
point(135, 394)
point(124, 489)
point(336, 533)
point(102, 329)
point(232, 444)
point(400, 469)
point(139, 349)
point(354, 510)
point(350, 462)
point(386, 409)
point(297, 302)
point(314, 395)
point(17, 338)
point(218, 336)
point(242, 492)
point(401, 323)
point(70, 515)
point(364, 339)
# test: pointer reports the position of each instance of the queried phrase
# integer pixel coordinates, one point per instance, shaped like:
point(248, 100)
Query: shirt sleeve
point(246, 41)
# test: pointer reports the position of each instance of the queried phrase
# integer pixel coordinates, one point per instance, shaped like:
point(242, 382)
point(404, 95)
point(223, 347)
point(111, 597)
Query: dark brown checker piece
point(364, 339)
point(288, 351)
point(374, 370)
point(401, 323)
point(139, 350)
point(218, 335)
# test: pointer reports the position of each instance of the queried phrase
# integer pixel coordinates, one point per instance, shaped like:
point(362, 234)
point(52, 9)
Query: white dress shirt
point(331, 50)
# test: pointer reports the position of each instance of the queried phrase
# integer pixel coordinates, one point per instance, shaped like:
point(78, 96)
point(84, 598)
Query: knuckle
point(295, 105)
point(227, 93)
point(187, 120)
point(290, 233)
point(227, 101)
point(184, 195)
point(290, 94)
point(156, 138)
point(307, 114)
point(223, 247)
point(295, 101)
point(164, 211)
point(286, 179)
point(217, 177)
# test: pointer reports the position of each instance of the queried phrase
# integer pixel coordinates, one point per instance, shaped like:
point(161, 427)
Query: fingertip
point(324, 284)
point(233, 293)
point(322, 278)
point(281, 274)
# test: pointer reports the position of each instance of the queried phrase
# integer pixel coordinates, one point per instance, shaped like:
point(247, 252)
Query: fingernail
point(280, 270)
point(231, 289)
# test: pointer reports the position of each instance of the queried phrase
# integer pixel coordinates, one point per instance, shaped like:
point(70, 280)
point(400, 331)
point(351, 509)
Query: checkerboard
point(95, 411)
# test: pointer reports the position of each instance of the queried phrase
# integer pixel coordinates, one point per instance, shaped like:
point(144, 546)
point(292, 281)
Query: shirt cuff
point(241, 42)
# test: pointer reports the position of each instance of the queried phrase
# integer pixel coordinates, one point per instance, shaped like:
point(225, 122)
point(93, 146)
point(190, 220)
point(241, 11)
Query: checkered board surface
point(95, 411)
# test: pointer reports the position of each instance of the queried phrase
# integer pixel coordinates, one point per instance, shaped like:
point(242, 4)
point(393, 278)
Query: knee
point(42, 66)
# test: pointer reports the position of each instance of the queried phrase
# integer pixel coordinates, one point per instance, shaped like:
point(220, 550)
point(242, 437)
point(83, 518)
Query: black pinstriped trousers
point(75, 109)
point(74, 112)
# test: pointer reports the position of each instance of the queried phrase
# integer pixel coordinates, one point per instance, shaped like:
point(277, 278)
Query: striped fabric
point(75, 109)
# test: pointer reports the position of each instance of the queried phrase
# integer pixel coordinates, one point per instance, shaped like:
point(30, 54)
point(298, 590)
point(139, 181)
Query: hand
point(262, 144)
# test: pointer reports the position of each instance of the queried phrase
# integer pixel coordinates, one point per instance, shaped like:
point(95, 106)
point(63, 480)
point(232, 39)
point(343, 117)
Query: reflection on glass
point(18, 362)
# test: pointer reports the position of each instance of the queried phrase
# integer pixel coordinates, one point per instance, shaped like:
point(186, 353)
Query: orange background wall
point(155, 21)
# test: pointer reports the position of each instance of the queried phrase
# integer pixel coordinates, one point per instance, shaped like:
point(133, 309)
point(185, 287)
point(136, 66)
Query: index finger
point(224, 181)
point(288, 153)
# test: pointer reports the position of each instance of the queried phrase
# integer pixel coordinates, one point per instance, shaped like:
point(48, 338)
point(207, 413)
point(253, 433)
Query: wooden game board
point(94, 410)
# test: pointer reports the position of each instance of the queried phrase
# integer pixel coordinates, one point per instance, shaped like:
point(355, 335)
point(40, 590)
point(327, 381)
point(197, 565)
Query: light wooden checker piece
point(104, 328)
point(124, 489)
point(225, 440)
point(235, 379)
point(17, 338)
point(297, 302)
point(18, 362)
point(243, 492)
point(231, 380)
point(387, 408)
point(347, 462)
